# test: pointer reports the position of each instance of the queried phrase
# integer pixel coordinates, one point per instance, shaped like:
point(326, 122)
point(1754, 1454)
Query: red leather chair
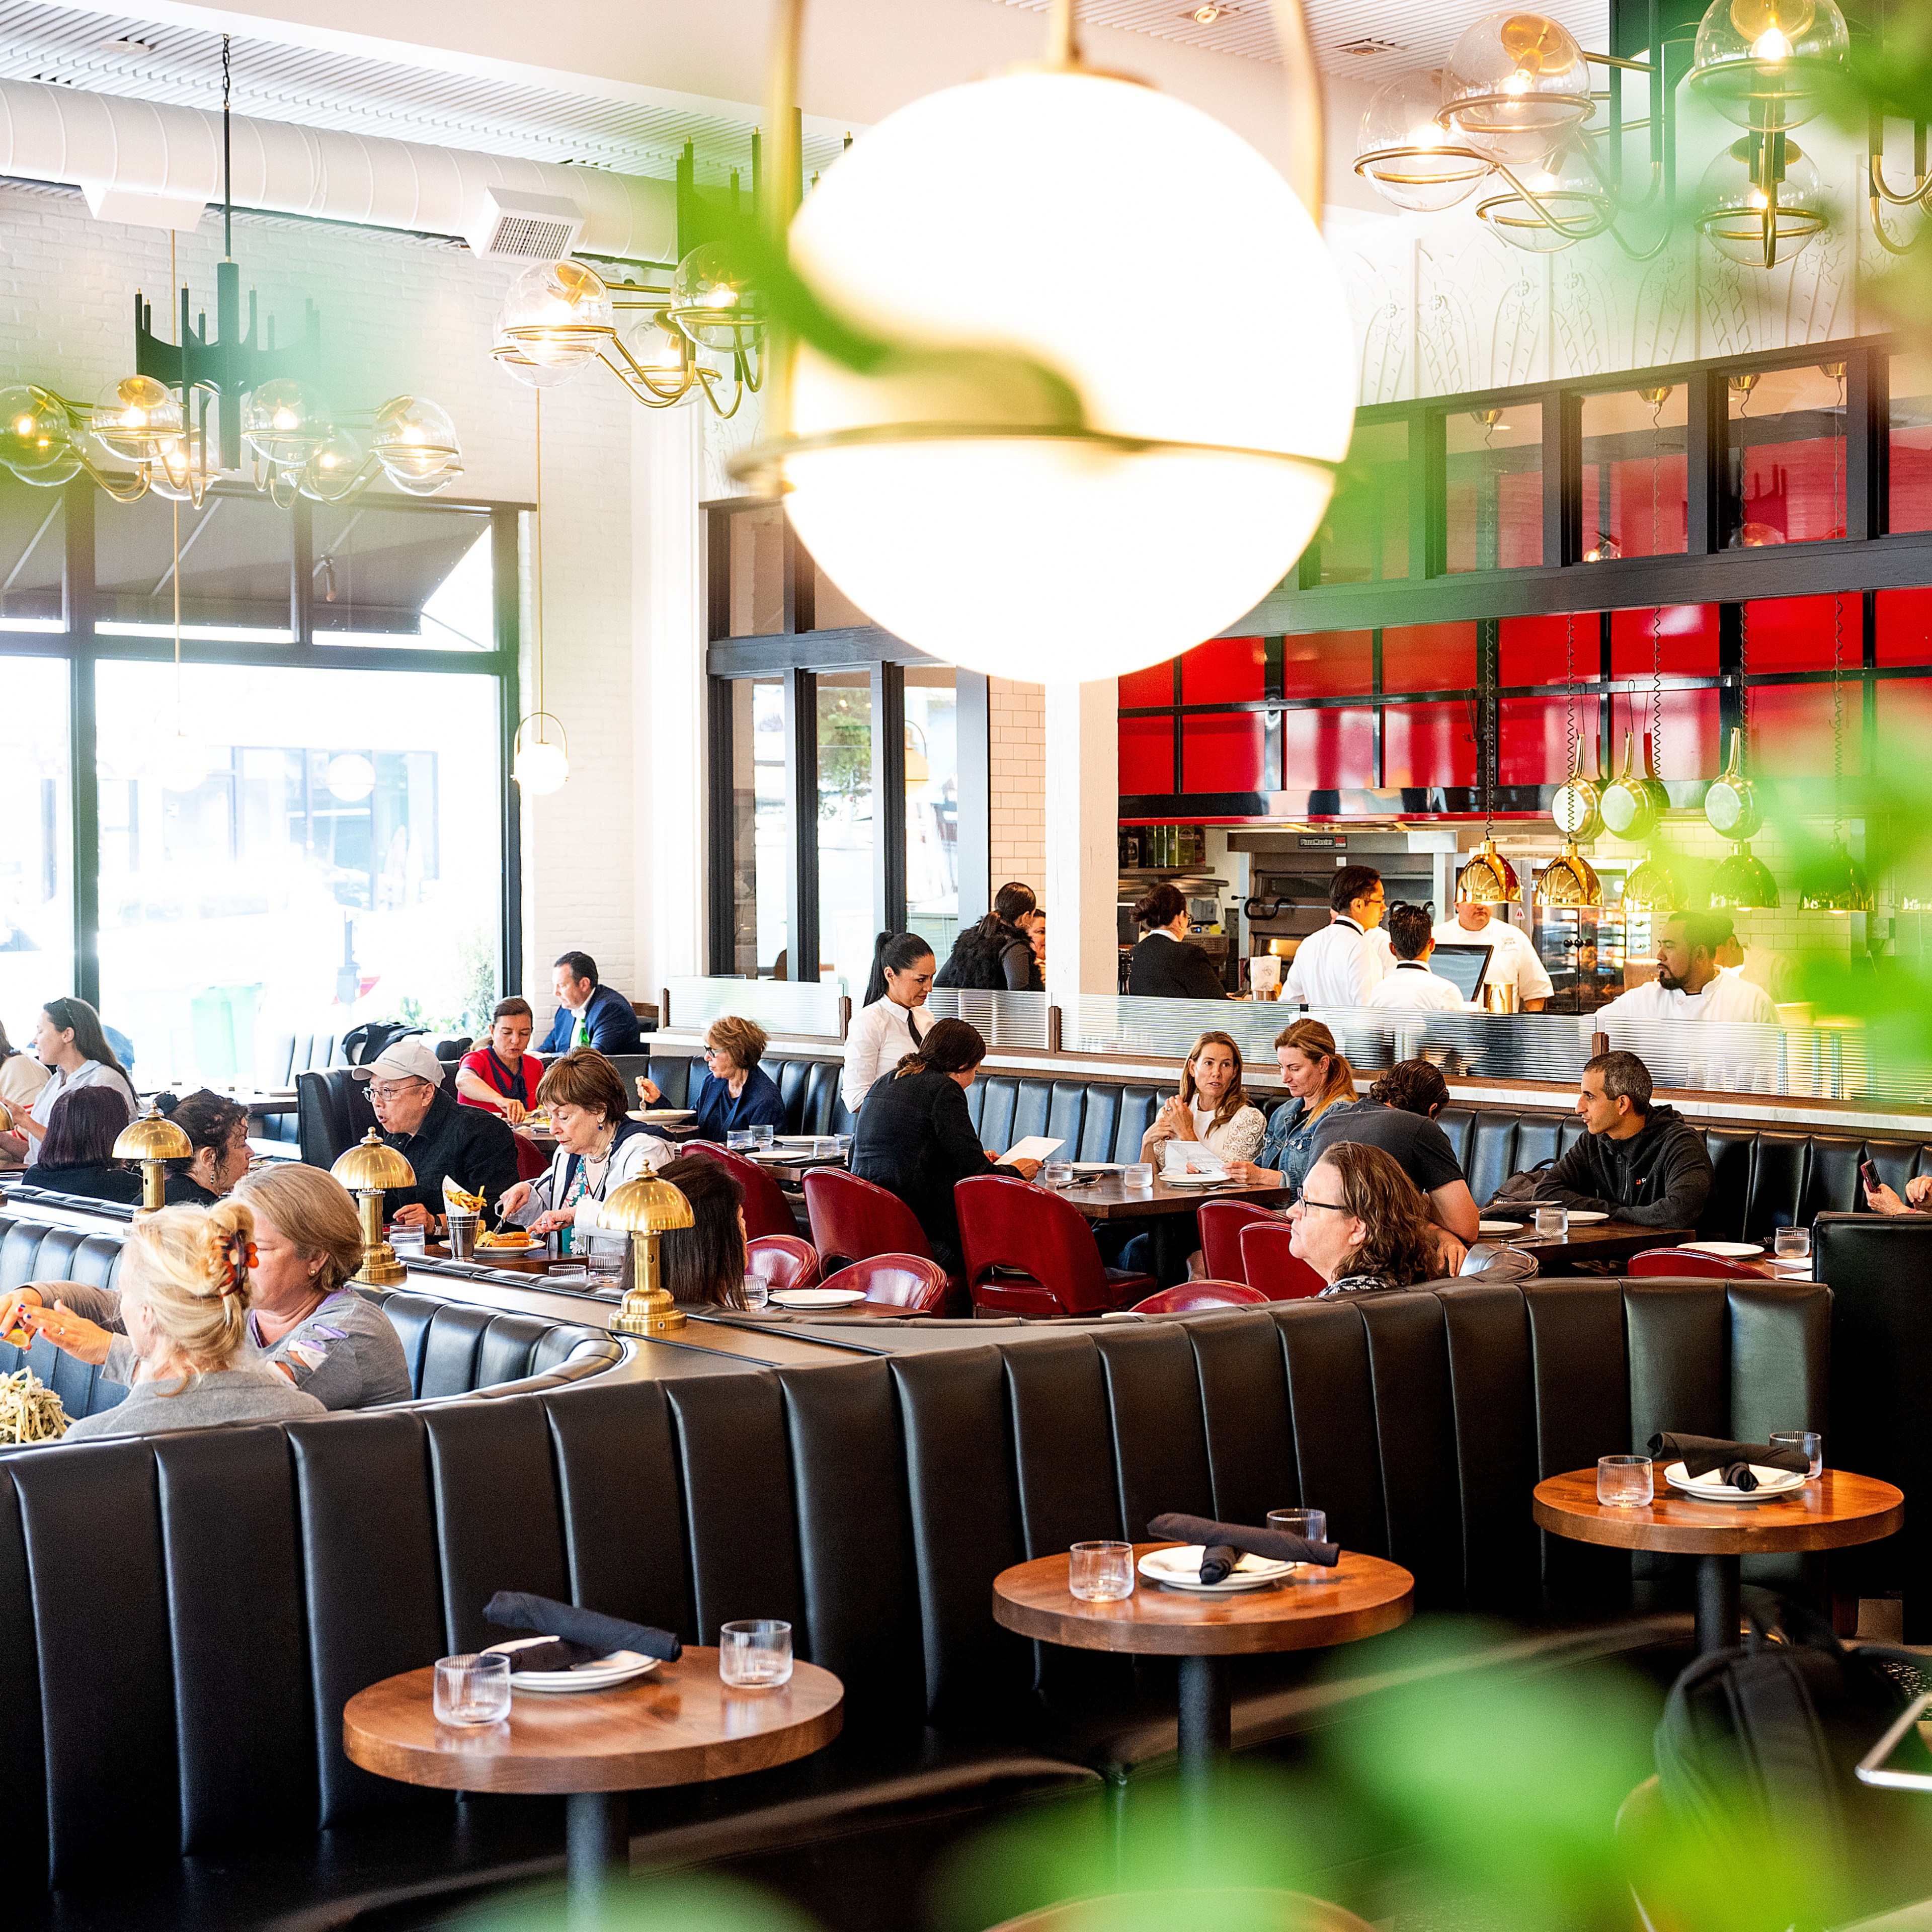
point(1056, 1267)
point(783, 1260)
point(1191, 1295)
point(1675, 1263)
point(1267, 1263)
point(853, 1219)
point(1221, 1225)
point(913, 1284)
point(767, 1209)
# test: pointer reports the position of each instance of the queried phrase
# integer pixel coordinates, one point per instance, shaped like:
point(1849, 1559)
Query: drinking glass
point(761, 1135)
point(606, 1264)
point(754, 1654)
point(742, 1140)
point(1808, 1440)
point(472, 1689)
point(1137, 1177)
point(1625, 1481)
point(568, 1274)
point(1553, 1223)
point(1101, 1573)
point(1312, 1526)
point(1791, 1244)
point(407, 1240)
point(1057, 1173)
point(757, 1291)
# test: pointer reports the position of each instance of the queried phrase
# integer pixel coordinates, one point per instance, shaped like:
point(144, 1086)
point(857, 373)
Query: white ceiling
point(320, 87)
point(1388, 36)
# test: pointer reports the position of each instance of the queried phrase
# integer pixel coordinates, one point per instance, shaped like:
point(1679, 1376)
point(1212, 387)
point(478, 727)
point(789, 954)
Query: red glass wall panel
point(1791, 729)
point(1905, 627)
point(1533, 744)
point(1154, 685)
point(1795, 633)
point(1146, 756)
point(1327, 750)
point(1427, 744)
point(1793, 492)
point(1328, 664)
point(1691, 732)
point(1226, 752)
point(1637, 524)
point(1904, 717)
point(1429, 657)
point(1688, 634)
point(1532, 650)
point(1224, 670)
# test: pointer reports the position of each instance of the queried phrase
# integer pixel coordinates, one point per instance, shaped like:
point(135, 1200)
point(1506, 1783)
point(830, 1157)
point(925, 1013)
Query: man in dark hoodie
point(1645, 1164)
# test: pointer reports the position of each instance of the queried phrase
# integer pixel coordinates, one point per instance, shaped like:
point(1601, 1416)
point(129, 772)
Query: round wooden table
point(1362, 1596)
point(681, 1724)
point(1832, 1511)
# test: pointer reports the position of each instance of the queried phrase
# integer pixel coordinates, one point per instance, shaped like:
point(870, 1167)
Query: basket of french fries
point(464, 1210)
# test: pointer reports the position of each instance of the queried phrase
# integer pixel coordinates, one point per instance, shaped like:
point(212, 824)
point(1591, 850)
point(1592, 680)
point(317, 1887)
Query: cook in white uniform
point(1513, 960)
point(1690, 984)
point(1410, 987)
point(1340, 966)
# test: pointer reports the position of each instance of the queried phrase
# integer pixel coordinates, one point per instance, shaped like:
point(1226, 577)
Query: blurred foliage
point(668, 1904)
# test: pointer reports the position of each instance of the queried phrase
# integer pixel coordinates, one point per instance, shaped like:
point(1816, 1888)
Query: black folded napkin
point(1701, 1454)
point(550, 1653)
point(516, 1609)
point(1226, 1540)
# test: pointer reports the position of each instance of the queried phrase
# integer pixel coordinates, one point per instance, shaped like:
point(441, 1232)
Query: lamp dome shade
point(1022, 214)
point(372, 1166)
point(540, 767)
point(138, 418)
point(152, 1137)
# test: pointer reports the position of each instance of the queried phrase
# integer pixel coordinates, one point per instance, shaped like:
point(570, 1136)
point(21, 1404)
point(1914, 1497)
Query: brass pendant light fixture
point(1570, 879)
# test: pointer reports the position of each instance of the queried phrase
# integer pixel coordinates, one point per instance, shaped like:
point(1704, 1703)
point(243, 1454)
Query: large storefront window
point(237, 576)
point(32, 555)
point(846, 826)
point(396, 577)
point(341, 860)
point(932, 805)
point(759, 826)
point(36, 842)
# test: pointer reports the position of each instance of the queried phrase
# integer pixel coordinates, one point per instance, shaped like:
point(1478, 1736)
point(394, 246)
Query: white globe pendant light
point(1050, 214)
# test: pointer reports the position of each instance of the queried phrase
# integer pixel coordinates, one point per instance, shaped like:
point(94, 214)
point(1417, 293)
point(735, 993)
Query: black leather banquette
point(1766, 1176)
point(182, 1618)
point(453, 1348)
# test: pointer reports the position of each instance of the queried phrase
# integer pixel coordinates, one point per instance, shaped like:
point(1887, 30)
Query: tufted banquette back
point(182, 1618)
point(452, 1348)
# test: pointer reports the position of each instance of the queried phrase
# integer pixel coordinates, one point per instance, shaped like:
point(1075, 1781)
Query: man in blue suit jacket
point(587, 1014)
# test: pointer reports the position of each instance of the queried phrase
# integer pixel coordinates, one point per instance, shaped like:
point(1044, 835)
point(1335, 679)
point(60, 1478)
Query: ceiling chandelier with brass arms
point(270, 424)
point(1514, 108)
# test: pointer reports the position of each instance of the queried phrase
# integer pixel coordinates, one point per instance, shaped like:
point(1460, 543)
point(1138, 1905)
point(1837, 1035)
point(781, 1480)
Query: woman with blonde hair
point(1212, 1109)
point(186, 1288)
point(304, 1321)
point(1316, 1074)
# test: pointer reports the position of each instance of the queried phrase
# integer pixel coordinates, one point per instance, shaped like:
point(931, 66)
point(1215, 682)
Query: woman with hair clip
point(70, 1044)
point(1316, 1076)
point(1164, 966)
point(705, 1263)
point(996, 954)
point(186, 1291)
point(916, 1138)
point(1212, 1108)
point(1360, 1223)
point(890, 1025)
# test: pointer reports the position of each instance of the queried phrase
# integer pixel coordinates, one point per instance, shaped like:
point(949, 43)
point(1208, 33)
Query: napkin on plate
point(1226, 1540)
point(1701, 1454)
point(540, 1616)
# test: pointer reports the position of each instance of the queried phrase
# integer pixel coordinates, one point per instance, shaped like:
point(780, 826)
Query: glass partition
point(36, 842)
point(1785, 476)
point(1911, 443)
point(33, 542)
point(1365, 538)
point(791, 1009)
point(1008, 1022)
point(757, 561)
point(1495, 471)
point(932, 805)
point(1633, 474)
point(847, 825)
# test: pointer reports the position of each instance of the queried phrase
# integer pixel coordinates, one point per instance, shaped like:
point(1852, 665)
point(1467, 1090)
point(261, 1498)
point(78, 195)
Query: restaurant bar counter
point(182, 1618)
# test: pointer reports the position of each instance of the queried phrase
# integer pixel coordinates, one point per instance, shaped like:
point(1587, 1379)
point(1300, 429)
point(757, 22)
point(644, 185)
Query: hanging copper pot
point(1730, 806)
point(1633, 803)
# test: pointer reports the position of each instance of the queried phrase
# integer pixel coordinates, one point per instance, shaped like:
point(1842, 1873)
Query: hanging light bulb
point(182, 762)
point(559, 316)
point(1761, 201)
point(285, 422)
point(716, 308)
point(138, 419)
point(1043, 510)
point(37, 436)
point(1403, 153)
point(414, 442)
point(1566, 202)
point(539, 766)
point(1743, 883)
point(1568, 880)
point(1517, 87)
point(1769, 64)
point(336, 470)
point(350, 777)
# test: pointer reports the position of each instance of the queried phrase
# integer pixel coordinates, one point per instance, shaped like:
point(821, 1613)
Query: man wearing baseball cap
point(417, 1118)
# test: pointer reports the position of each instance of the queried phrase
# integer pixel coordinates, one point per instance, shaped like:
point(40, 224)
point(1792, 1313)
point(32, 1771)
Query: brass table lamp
point(369, 1169)
point(153, 1140)
point(646, 1208)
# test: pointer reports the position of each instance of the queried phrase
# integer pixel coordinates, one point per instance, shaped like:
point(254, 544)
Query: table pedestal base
point(1719, 1606)
point(1207, 1716)
point(597, 1826)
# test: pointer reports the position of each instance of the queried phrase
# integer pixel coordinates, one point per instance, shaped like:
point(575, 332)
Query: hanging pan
point(1731, 808)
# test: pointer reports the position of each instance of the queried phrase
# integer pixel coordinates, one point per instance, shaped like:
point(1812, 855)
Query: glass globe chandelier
point(1761, 201)
point(1515, 88)
point(1402, 150)
point(982, 464)
point(1549, 207)
point(1766, 63)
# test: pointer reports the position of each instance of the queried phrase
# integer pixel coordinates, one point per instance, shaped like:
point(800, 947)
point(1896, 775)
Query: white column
point(669, 729)
point(1083, 811)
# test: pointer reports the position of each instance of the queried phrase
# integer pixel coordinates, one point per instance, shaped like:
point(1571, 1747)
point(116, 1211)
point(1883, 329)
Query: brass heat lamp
point(153, 1140)
point(646, 1209)
point(368, 1170)
point(1488, 879)
point(1569, 879)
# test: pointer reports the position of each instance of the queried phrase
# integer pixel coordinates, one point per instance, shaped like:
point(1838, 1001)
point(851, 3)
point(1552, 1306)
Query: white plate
point(1195, 1180)
point(1582, 1217)
point(1499, 1227)
point(600, 1673)
point(663, 1113)
point(1713, 1488)
point(1098, 1166)
point(1179, 1568)
point(817, 1297)
point(1729, 1251)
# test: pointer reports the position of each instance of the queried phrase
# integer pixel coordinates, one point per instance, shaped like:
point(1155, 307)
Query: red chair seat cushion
point(1014, 1294)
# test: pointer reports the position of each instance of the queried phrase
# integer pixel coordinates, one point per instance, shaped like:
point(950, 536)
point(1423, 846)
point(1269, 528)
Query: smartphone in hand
point(1868, 1173)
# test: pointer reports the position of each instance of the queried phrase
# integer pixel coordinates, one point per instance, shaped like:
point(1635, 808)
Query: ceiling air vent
point(535, 227)
point(1368, 48)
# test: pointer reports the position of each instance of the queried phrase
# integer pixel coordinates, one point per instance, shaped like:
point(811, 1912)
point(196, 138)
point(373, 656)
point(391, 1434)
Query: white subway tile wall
point(1016, 718)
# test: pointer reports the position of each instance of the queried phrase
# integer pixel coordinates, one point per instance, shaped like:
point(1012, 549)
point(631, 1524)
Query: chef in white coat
point(1690, 984)
point(1340, 966)
point(1513, 960)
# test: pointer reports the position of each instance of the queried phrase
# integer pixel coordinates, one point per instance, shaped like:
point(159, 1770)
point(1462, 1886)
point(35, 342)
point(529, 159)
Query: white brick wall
point(398, 315)
point(1016, 716)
